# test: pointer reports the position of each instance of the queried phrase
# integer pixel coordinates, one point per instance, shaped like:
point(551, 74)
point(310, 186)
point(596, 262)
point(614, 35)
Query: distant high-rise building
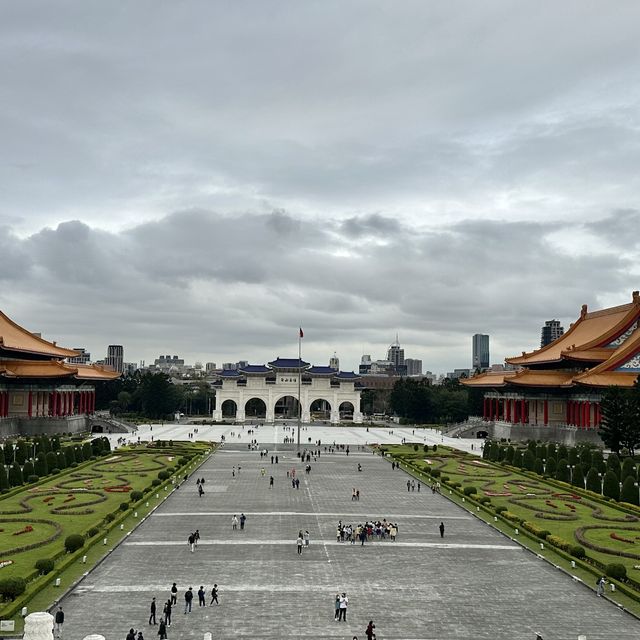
point(414, 367)
point(480, 359)
point(334, 362)
point(209, 367)
point(395, 355)
point(115, 357)
point(83, 357)
point(550, 332)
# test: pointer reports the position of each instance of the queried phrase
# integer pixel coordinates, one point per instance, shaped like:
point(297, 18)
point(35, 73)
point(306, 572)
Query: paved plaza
point(473, 583)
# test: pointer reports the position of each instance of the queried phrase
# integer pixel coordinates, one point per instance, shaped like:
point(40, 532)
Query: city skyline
point(207, 181)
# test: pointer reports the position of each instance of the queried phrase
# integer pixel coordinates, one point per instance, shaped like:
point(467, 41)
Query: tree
point(617, 424)
point(86, 451)
point(15, 475)
point(551, 451)
point(611, 487)
point(495, 452)
point(613, 464)
point(158, 395)
point(517, 458)
point(4, 480)
point(27, 470)
point(629, 491)
point(573, 456)
point(69, 455)
point(551, 467)
point(55, 443)
point(52, 460)
point(562, 473)
point(509, 454)
point(578, 476)
point(22, 452)
point(528, 460)
point(538, 466)
point(593, 481)
point(8, 452)
point(61, 459)
point(585, 457)
point(628, 469)
point(597, 461)
point(40, 465)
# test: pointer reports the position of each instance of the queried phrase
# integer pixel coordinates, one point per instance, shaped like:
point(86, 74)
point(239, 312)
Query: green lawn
point(605, 529)
point(36, 519)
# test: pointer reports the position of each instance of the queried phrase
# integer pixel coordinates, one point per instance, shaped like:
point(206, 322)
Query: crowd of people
point(370, 530)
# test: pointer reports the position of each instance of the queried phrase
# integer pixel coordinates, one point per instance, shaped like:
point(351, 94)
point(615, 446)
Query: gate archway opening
point(286, 408)
point(320, 409)
point(255, 408)
point(346, 410)
point(229, 409)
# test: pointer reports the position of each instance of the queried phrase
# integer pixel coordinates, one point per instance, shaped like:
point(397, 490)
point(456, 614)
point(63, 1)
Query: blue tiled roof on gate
point(255, 368)
point(347, 375)
point(322, 370)
point(229, 373)
point(288, 363)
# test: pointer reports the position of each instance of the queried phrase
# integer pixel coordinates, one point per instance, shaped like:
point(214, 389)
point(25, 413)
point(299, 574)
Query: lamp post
point(601, 483)
point(637, 484)
point(571, 467)
point(544, 465)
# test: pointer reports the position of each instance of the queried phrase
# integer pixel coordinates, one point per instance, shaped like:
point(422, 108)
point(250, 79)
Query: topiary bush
point(123, 506)
point(73, 542)
point(44, 565)
point(156, 482)
point(500, 509)
point(134, 496)
point(54, 471)
point(32, 478)
point(469, 490)
point(11, 588)
point(164, 475)
point(577, 551)
point(616, 570)
point(94, 531)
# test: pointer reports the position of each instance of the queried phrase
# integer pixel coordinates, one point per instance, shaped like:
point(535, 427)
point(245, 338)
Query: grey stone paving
point(473, 584)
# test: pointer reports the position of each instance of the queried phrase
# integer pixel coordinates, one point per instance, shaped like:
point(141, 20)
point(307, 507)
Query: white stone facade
point(328, 388)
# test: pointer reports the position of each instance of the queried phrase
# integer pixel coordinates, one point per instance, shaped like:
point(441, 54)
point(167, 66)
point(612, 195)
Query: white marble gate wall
point(287, 385)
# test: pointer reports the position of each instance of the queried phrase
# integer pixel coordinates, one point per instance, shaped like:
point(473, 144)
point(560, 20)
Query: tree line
point(153, 395)
point(620, 425)
point(27, 461)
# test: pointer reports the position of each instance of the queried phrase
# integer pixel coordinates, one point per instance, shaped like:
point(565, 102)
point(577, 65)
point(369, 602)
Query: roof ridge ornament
point(583, 312)
point(635, 296)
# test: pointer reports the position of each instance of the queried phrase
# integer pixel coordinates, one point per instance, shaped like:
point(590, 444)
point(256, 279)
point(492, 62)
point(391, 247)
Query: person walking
point(167, 613)
point(369, 631)
point(174, 594)
point(152, 612)
point(299, 543)
point(192, 541)
point(337, 607)
point(601, 583)
point(243, 519)
point(201, 600)
point(270, 482)
point(196, 536)
point(408, 485)
point(441, 527)
point(162, 630)
point(234, 522)
point(188, 599)
point(307, 539)
point(59, 621)
point(131, 635)
point(214, 595)
point(200, 490)
point(344, 602)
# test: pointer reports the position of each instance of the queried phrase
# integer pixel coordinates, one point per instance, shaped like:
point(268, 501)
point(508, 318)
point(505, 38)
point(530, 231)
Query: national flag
point(301, 333)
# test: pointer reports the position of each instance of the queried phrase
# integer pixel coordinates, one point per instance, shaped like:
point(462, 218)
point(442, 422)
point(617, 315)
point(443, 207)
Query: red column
point(92, 396)
point(497, 409)
point(1, 404)
point(571, 412)
point(490, 407)
point(29, 403)
point(523, 410)
point(516, 407)
point(596, 414)
point(546, 413)
point(580, 415)
point(80, 398)
point(587, 410)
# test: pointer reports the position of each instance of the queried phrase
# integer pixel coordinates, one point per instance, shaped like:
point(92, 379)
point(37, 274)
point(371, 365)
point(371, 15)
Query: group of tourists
point(192, 540)
point(303, 539)
point(378, 529)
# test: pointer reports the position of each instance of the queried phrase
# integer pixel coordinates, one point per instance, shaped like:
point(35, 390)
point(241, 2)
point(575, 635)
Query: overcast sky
point(201, 178)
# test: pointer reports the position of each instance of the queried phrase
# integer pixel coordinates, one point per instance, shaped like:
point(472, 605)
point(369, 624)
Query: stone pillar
point(335, 417)
point(38, 626)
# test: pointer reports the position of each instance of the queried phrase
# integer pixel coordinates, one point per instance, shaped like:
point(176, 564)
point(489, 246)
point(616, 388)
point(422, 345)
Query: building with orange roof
point(555, 391)
point(40, 388)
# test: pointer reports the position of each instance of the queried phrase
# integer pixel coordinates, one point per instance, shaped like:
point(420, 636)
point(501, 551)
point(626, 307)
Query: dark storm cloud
point(233, 287)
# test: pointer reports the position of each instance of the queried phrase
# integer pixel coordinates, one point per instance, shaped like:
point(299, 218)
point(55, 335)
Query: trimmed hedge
point(44, 565)
point(616, 570)
point(11, 588)
point(73, 542)
point(470, 490)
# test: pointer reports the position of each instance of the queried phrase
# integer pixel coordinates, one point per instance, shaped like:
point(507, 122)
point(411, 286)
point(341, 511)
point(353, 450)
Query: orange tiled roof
point(489, 379)
point(591, 330)
point(15, 338)
point(533, 378)
point(588, 355)
point(607, 379)
point(53, 369)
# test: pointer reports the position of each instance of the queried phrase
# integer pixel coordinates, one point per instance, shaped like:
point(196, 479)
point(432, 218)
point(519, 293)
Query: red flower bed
point(49, 499)
point(550, 504)
point(27, 529)
point(615, 536)
point(495, 494)
point(125, 488)
point(69, 499)
point(570, 506)
point(566, 496)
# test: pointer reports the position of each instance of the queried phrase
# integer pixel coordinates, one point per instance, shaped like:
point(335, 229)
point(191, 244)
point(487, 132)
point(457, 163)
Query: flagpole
point(299, 383)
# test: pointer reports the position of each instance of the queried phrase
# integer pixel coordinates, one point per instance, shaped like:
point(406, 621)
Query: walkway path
point(473, 583)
